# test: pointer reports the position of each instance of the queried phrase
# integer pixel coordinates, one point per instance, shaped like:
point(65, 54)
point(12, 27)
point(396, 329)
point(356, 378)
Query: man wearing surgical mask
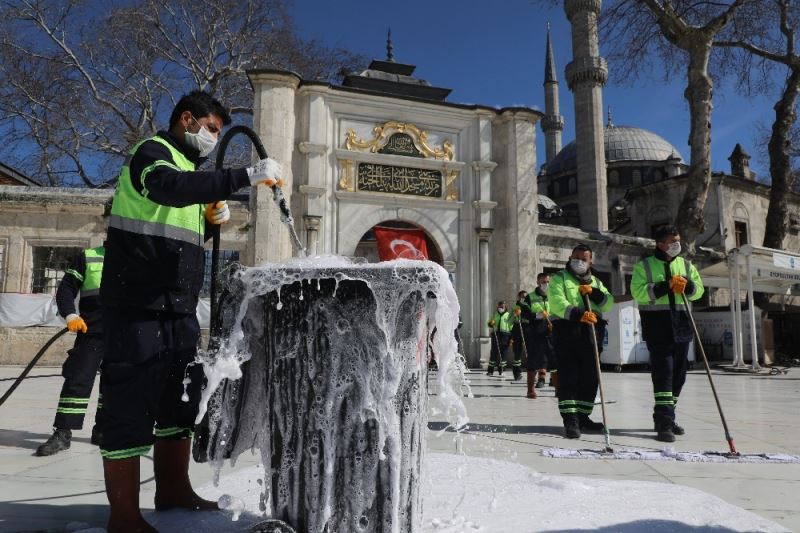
point(162, 210)
point(577, 374)
point(658, 284)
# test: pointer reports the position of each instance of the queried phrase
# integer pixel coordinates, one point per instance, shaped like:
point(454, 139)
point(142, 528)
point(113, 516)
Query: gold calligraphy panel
point(373, 177)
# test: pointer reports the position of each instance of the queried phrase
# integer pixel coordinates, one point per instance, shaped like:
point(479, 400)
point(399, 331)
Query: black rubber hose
point(215, 230)
point(30, 366)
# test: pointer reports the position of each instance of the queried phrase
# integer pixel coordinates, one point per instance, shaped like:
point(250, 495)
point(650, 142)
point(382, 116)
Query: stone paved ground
point(48, 493)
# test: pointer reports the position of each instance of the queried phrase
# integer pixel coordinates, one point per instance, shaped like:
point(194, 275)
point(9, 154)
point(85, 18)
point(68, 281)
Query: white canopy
point(762, 270)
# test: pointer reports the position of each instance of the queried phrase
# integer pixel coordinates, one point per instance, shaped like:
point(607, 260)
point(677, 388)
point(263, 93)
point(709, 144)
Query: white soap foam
point(377, 380)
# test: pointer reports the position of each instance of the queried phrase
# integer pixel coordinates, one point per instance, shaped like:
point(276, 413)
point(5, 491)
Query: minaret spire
point(389, 47)
point(550, 62)
point(553, 122)
point(610, 123)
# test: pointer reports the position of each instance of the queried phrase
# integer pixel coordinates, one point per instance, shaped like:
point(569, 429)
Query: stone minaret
point(553, 122)
point(586, 75)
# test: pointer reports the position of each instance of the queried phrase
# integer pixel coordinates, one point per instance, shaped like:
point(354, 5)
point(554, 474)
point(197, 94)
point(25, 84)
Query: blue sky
point(492, 53)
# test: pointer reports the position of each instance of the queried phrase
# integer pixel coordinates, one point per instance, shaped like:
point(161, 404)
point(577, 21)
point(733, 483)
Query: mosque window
point(740, 233)
point(572, 186)
point(625, 179)
point(637, 178)
point(613, 178)
point(49, 264)
point(658, 175)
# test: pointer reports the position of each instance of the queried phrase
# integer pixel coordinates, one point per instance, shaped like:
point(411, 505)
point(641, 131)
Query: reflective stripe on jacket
point(651, 271)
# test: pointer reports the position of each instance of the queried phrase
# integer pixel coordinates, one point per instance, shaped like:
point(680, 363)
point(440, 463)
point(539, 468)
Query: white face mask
point(579, 266)
point(674, 249)
point(202, 141)
point(544, 287)
point(501, 310)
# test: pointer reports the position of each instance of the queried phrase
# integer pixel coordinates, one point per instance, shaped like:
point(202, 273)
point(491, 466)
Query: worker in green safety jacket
point(82, 278)
point(154, 269)
point(658, 284)
point(519, 327)
point(539, 341)
point(500, 330)
point(577, 374)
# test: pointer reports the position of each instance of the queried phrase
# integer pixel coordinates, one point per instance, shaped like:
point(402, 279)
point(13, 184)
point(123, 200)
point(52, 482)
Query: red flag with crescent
point(400, 243)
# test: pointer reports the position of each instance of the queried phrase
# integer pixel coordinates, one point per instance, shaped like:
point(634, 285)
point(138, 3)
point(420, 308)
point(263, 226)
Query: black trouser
point(577, 373)
point(541, 348)
point(79, 371)
point(669, 363)
point(497, 357)
point(147, 356)
point(521, 347)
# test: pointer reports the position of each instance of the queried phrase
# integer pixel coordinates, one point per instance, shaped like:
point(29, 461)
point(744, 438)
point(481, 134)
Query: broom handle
point(728, 436)
point(599, 375)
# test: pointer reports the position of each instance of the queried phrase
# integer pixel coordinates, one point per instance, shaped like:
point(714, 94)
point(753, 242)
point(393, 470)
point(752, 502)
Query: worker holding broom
point(659, 284)
point(154, 269)
point(577, 370)
point(500, 324)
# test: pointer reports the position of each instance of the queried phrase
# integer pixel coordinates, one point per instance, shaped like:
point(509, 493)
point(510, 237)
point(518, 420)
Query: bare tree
point(763, 39)
point(680, 33)
point(81, 82)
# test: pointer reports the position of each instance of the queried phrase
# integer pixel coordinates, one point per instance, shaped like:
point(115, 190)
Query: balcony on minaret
point(588, 69)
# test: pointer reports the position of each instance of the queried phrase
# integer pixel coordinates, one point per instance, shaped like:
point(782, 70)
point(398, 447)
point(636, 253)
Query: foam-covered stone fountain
point(321, 367)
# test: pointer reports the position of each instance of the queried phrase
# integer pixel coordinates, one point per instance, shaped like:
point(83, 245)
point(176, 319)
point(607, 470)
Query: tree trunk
point(689, 219)
point(780, 168)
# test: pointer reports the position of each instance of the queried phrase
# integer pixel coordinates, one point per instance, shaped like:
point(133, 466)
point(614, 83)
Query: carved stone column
point(312, 224)
point(484, 236)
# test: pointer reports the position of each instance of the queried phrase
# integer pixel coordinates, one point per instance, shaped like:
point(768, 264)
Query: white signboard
point(785, 261)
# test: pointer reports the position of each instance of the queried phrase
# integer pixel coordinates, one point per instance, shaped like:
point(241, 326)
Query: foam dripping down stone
point(322, 369)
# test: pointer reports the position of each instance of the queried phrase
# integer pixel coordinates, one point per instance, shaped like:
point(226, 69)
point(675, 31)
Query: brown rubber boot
point(554, 381)
point(122, 490)
point(531, 385)
point(173, 488)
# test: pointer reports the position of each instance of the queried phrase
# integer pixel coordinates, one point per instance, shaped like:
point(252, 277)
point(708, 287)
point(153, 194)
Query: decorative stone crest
point(382, 134)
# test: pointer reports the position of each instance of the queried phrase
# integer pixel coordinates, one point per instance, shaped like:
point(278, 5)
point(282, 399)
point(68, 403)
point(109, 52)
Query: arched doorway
point(368, 246)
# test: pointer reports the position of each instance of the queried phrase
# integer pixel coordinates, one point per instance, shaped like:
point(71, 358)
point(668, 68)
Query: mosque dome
point(622, 143)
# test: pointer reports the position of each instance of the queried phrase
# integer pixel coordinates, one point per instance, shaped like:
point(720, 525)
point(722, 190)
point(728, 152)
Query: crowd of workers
point(552, 327)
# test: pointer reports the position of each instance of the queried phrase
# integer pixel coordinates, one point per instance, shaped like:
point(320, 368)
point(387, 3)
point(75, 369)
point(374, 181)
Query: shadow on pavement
point(50, 518)
point(499, 428)
point(649, 526)
point(22, 439)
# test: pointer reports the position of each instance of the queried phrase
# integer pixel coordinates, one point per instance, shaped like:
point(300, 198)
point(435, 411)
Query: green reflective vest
point(564, 295)
point(652, 270)
point(538, 304)
point(90, 278)
point(135, 213)
point(502, 321)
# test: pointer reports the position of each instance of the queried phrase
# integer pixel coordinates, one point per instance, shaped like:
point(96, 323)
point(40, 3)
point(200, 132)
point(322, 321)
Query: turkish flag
point(395, 243)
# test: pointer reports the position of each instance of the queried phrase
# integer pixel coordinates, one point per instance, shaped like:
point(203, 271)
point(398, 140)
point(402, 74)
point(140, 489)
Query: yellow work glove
point(492, 323)
point(218, 213)
point(677, 284)
point(76, 323)
point(517, 311)
point(589, 318)
point(585, 289)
